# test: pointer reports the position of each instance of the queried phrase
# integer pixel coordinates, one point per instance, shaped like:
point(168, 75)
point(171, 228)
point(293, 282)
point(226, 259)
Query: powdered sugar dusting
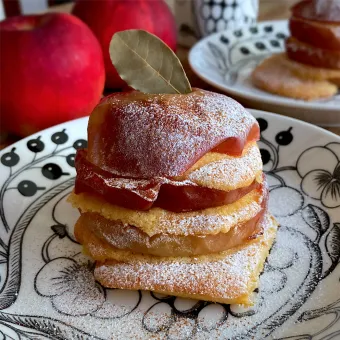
point(320, 10)
point(225, 278)
point(213, 222)
point(230, 173)
point(157, 221)
point(145, 136)
point(213, 170)
point(93, 228)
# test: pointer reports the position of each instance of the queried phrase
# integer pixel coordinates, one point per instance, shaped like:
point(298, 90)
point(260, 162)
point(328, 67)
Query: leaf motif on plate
point(298, 337)
point(40, 327)
point(316, 218)
point(60, 230)
point(219, 56)
point(147, 64)
point(231, 77)
point(232, 74)
point(333, 243)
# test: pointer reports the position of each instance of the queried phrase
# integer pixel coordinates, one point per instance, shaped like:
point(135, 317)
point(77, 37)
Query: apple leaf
point(147, 64)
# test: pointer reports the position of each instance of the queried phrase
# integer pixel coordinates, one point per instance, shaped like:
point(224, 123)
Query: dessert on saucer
point(310, 67)
point(172, 196)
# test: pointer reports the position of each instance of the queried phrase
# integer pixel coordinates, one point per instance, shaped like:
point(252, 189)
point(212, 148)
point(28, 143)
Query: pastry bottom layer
point(229, 277)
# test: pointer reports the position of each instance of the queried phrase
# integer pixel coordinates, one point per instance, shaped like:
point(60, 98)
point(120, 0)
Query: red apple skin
point(307, 9)
point(51, 71)
point(321, 35)
point(311, 55)
point(107, 17)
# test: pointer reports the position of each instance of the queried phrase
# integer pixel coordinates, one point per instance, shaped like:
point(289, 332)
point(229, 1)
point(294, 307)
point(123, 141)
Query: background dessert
point(310, 68)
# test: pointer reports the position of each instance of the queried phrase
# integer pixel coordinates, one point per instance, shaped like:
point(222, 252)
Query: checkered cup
point(199, 18)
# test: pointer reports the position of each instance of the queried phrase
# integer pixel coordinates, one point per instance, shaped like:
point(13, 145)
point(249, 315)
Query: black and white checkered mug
point(199, 18)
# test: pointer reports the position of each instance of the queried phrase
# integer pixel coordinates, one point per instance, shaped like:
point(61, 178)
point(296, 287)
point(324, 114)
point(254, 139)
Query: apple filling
point(117, 234)
point(311, 55)
point(125, 237)
point(215, 180)
point(318, 34)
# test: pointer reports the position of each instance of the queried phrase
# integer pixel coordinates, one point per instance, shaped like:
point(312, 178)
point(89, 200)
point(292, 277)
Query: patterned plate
point(47, 289)
point(226, 60)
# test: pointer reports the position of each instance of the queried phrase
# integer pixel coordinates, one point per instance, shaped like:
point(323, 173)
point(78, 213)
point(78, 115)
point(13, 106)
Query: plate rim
point(296, 120)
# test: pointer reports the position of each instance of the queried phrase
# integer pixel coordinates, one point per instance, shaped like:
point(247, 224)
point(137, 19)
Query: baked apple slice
point(311, 55)
point(124, 237)
point(326, 11)
point(321, 35)
point(177, 196)
point(138, 135)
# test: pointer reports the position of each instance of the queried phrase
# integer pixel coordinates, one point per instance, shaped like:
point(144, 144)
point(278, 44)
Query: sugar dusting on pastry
point(95, 229)
point(230, 172)
point(163, 135)
point(206, 140)
point(230, 278)
point(327, 8)
point(214, 170)
point(157, 220)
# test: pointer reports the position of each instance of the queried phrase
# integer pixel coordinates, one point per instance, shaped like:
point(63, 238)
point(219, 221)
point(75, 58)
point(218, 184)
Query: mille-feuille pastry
point(171, 193)
point(171, 190)
point(310, 67)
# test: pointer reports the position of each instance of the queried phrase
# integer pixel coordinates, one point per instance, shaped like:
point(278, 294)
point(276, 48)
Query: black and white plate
point(226, 60)
point(47, 289)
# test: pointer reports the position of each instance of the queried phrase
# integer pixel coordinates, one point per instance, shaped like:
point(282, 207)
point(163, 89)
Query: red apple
point(51, 71)
point(107, 17)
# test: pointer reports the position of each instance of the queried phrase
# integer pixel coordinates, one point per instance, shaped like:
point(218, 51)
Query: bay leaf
point(147, 64)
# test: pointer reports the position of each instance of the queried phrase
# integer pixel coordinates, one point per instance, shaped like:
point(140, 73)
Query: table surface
point(269, 10)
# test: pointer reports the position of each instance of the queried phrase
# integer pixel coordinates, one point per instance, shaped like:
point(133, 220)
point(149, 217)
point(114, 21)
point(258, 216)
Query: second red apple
point(107, 17)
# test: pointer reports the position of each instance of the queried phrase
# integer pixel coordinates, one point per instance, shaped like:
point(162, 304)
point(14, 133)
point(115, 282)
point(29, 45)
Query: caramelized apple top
point(327, 11)
point(139, 135)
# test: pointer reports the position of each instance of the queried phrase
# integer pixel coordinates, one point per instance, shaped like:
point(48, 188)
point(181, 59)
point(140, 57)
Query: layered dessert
point(172, 196)
point(310, 67)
